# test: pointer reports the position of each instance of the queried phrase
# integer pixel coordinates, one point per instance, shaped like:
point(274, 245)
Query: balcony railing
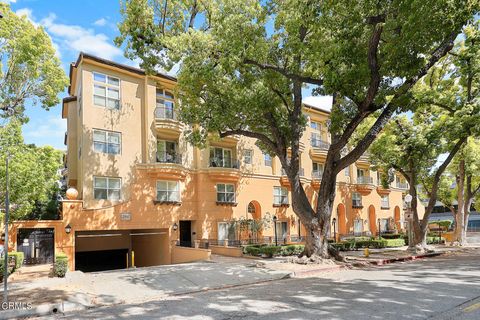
point(364, 180)
point(317, 174)
point(301, 172)
point(402, 185)
point(224, 163)
point(317, 143)
point(162, 112)
point(169, 157)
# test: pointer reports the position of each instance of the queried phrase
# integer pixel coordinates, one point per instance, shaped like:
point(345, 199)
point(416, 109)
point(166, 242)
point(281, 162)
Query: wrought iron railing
point(364, 180)
point(317, 143)
point(169, 157)
point(163, 112)
point(224, 163)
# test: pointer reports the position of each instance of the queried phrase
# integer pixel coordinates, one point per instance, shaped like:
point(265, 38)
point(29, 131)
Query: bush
point(293, 249)
point(393, 236)
point(371, 243)
point(60, 266)
point(442, 223)
point(19, 257)
point(435, 240)
point(252, 250)
point(270, 251)
point(392, 243)
point(11, 265)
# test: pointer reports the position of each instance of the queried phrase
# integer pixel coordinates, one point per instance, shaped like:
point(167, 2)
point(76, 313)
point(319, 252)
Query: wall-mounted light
point(68, 229)
point(175, 227)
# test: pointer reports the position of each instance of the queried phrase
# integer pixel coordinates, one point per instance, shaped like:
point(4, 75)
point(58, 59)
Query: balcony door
point(166, 151)
point(221, 157)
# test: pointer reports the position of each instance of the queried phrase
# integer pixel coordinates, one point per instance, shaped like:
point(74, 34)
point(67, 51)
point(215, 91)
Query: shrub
point(393, 236)
point(11, 265)
point(392, 243)
point(293, 249)
point(252, 250)
point(60, 266)
point(19, 257)
point(442, 223)
point(435, 240)
point(270, 251)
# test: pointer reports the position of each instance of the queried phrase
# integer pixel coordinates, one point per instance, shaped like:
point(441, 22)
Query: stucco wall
point(184, 254)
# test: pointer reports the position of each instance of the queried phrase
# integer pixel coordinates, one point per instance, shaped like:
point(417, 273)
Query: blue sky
point(74, 26)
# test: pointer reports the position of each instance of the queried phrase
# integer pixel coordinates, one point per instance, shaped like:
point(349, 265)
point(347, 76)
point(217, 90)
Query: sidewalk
point(80, 291)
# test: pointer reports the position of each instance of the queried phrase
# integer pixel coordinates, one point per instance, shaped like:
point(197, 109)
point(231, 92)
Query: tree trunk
point(460, 236)
point(316, 242)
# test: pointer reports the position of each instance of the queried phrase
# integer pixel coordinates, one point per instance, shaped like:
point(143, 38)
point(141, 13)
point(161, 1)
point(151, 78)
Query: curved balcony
point(169, 166)
point(166, 121)
point(364, 184)
point(319, 147)
point(316, 178)
point(224, 169)
point(284, 182)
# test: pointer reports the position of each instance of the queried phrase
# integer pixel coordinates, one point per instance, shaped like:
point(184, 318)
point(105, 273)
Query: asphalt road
point(446, 287)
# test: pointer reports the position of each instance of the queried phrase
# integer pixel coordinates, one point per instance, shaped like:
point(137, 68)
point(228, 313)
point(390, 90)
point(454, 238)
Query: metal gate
point(36, 244)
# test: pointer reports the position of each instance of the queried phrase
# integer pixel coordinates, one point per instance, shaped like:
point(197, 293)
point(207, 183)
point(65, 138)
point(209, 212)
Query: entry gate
point(36, 244)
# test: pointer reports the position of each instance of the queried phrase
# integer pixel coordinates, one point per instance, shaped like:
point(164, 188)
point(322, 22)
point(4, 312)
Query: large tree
point(242, 66)
point(33, 172)
point(29, 70)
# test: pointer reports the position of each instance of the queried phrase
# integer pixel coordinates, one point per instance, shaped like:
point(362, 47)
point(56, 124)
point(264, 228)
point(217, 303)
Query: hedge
point(60, 266)
point(270, 251)
point(19, 257)
point(371, 243)
point(442, 223)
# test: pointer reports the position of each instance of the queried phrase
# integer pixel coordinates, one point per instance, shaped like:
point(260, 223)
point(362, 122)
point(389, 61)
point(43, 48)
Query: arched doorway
point(254, 212)
point(342, 219)
point(396, 217)
point(372, 220)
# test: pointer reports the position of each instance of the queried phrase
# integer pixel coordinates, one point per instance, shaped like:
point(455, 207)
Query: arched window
point(251, 208)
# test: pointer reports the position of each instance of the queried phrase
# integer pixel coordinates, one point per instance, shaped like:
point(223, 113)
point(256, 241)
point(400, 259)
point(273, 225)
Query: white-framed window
point(317, 126)
point(221, 157)
point(356, 199)
point(358, 227)
point(383, 225)
point(165, 108)
point(248, 156)
point(317, 170)
point(106, 188)
point(225, 192)
point(280, 195)
point(226, 231)
point(168, 191)
point(385, 201)
point(167, 151)
point(347, 171)
point(107, 141)
point(267, 159)
point(106, 91)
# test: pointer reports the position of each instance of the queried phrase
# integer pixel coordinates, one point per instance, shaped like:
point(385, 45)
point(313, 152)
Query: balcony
point(364, 184)
point(364, 159)
point(166, 121)
point(284, 182)
point(402, 185)
point(316, 178)
point(319, 147)
point(224, 169)
point(168, 165)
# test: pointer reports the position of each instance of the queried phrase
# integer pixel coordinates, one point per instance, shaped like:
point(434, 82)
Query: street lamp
point(334, 221)
point(5, 243)
point(175, 227)
point(379, 230)
point(68, 229)
point(275, 229)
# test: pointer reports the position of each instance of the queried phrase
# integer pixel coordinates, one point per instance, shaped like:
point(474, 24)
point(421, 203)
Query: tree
point(33, 172)
point(242, 66)
point(462, 183)
point(29, 69)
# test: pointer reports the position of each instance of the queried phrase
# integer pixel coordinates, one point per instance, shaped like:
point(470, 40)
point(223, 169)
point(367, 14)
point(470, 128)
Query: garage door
point(90, 261)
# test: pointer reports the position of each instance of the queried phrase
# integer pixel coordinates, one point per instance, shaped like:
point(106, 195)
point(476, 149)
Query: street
point(445, 287)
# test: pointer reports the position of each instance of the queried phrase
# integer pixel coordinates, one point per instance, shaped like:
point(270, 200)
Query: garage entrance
point(112, 249)
point(37, 245)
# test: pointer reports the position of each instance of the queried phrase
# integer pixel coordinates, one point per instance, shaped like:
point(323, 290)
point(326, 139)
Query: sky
point(74, 26)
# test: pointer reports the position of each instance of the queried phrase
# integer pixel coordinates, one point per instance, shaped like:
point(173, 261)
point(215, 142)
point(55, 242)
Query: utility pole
point(5, 245)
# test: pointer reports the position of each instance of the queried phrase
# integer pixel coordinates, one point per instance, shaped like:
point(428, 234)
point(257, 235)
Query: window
point(106, 91)
point(165, 104)
point(226, 231)
point(267, 159)
point(356, 200)
point(347, 171)
point(107, 141)
point(248, 156)
point(106, 188)
point(383, 225)
point(358, 227)
point(221, 157)
point(168, 191)
point(317, 170)
point(317, 126)
point(280, 196)
point(385, 202)
point(225, 193)
point(167, 152)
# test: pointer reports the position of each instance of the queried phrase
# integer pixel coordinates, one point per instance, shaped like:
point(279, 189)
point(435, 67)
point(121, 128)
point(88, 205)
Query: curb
point(380, 262)
point(314, 272)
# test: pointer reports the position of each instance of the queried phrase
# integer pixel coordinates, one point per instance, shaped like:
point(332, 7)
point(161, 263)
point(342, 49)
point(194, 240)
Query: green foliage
point(292, 249)
point(11, 266)
point(29, 69)
point(356, 244)
point(19, 257)
point(270, 251)
point(442, 223)
point(32, 171)
point(60, 267)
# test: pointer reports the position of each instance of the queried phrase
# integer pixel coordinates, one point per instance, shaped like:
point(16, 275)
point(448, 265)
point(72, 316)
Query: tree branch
point(250, 134)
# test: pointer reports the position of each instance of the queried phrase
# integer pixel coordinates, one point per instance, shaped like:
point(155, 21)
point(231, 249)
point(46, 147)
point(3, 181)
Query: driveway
point(82, 290)
point(446, 287)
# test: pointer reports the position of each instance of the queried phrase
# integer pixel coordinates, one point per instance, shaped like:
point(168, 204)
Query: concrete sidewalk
point(80, 291)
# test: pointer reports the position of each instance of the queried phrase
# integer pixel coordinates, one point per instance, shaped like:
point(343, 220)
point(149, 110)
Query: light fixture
point(274, 218)
point(175, 227)
point(68, 229)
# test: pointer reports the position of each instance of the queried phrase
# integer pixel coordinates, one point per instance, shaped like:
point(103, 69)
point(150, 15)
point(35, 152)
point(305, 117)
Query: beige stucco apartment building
point(142, 188)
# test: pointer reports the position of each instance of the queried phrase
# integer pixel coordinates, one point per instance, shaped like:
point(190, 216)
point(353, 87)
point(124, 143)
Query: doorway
point(186, 233)
point(36, 244)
